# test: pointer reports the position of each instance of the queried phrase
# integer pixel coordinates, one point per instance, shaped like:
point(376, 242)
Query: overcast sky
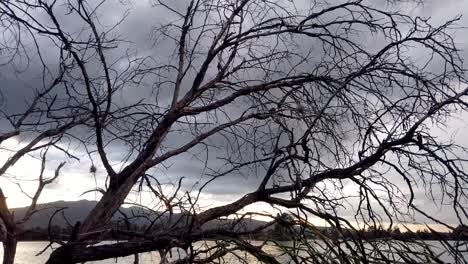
point(76, 177)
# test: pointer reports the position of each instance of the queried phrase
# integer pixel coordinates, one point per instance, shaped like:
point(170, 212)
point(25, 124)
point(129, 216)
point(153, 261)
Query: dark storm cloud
point(138, 29)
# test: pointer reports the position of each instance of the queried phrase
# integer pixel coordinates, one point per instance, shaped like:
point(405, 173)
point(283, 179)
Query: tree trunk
point(9, 239)
point(99, 217)
point(106, 207)
point(9, 248)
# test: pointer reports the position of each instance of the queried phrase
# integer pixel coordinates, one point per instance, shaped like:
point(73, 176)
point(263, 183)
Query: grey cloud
point(138, 29)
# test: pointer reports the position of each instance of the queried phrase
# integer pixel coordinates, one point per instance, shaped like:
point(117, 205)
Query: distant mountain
point(73, 211)
point(69, 214)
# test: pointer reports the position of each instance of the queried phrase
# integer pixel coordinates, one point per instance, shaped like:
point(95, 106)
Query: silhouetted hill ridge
point(74, 211)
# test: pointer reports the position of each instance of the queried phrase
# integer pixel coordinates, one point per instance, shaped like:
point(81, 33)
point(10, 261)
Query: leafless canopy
point(328, 105)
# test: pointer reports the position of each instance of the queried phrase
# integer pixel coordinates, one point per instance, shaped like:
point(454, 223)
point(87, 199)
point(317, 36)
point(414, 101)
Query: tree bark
point(9, 248)
point(106, 207)
point(10, 240)
point(80, 253)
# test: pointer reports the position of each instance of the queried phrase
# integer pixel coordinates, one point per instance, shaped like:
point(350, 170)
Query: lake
point(26, 254)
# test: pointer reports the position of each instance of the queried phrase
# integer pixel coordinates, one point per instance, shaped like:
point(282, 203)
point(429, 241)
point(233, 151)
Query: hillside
point(74, 211)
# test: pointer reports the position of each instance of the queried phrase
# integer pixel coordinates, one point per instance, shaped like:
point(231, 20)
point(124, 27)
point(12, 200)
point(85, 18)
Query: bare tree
point(40, 125)
point(40, 129)
point(327, 105)
point(35, 126)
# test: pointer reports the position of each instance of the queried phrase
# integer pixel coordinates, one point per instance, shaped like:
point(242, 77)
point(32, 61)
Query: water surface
point(27, 254)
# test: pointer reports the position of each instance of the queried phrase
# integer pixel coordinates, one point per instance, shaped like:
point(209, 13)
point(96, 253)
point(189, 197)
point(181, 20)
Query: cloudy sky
point(76, 178)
